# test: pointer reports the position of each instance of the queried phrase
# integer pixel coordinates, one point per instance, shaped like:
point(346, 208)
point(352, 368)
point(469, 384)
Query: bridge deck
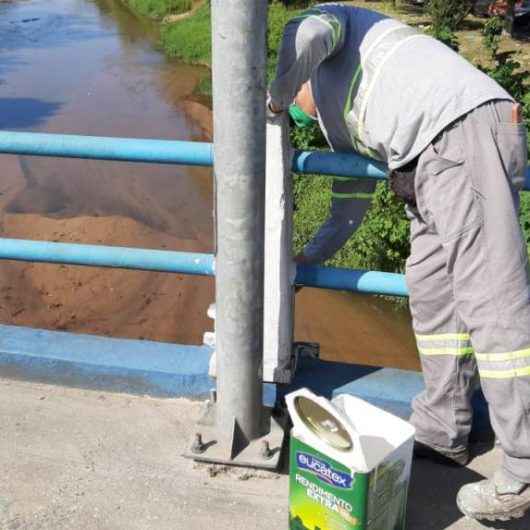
point(99, 460)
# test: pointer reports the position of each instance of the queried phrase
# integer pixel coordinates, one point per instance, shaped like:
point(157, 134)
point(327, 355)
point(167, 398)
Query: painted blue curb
point(142, 367)
point(89, 361)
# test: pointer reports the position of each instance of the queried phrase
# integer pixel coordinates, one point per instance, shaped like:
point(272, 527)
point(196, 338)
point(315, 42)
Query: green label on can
point(327, 495)
point(324, 495)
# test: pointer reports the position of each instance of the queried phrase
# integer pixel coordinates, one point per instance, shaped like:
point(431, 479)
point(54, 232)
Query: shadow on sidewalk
point(432, 499)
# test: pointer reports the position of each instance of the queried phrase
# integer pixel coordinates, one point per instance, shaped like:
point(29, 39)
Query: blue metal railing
point(178, 152)
point(372, 282)
point(185, 153)
point(171, 152)
point(106, 256)
point(107, 148)
point(189, 263)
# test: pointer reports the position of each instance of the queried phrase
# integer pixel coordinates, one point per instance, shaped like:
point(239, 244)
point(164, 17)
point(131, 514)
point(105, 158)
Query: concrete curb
point(89, 361)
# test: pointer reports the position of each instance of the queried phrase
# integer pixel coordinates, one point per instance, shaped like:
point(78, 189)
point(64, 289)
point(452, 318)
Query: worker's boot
point(497, 499)
point(451, 457)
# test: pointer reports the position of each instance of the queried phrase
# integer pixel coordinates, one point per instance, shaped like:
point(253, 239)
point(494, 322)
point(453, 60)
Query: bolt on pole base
point(262, 453)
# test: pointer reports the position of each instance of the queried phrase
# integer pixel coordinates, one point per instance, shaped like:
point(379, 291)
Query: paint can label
point(350, 464)
point(326, 495)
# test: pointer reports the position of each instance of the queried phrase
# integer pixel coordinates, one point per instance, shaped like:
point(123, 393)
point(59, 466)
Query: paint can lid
point(323, 424)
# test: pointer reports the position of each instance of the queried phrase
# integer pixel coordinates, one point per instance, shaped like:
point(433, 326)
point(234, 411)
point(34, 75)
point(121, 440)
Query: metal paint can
point(349, 465)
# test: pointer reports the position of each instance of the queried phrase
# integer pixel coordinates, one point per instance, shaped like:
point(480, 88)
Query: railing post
point(239, 83)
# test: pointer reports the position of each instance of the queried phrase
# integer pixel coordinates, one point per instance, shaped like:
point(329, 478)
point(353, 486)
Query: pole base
point(261, 453)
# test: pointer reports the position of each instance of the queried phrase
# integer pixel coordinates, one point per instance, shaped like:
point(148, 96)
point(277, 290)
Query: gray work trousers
point(468, 281)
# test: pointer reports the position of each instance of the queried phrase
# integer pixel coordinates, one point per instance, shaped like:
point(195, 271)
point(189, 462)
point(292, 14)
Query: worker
point(455, 145)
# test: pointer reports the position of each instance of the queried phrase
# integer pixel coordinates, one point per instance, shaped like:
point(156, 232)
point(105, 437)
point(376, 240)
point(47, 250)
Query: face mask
point(300, 118)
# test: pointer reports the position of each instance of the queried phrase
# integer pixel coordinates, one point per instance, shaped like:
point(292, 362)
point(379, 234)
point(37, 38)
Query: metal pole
point(239, 56)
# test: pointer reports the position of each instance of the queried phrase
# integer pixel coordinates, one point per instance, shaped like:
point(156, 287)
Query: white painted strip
point(278, 311)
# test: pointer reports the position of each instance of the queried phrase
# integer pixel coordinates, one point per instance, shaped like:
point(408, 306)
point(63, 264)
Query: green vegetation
point(448, 13)
point(159, 8)
point(446, 16)
point(189, 39)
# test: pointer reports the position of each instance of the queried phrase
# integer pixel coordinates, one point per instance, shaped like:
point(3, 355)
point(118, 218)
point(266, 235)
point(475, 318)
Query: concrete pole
point(239, 84)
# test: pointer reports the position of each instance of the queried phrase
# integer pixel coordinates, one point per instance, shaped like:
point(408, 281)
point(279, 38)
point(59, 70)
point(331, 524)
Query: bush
point(448, 14)
point(446, 17)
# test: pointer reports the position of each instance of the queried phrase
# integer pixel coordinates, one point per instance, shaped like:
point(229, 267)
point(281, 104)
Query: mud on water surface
point(91, 67)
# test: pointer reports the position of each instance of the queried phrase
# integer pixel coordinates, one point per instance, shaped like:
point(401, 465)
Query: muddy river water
point(91, 67)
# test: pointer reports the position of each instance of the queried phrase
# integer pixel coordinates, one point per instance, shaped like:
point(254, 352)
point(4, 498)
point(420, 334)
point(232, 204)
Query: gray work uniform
point(383, 90)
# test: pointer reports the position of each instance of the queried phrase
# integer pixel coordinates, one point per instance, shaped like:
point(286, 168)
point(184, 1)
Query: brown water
point(91, 67)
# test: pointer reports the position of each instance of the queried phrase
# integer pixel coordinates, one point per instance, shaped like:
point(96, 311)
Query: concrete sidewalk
point(80, 459)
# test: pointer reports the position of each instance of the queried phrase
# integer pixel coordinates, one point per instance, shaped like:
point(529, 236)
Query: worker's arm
point(307, 41)
point(347, 213)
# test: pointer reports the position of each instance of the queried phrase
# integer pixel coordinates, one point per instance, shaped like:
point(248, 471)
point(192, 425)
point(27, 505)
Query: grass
point(189, 39)
point(159, 8)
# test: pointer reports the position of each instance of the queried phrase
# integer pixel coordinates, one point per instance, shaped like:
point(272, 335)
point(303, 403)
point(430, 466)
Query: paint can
point(350, 464)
